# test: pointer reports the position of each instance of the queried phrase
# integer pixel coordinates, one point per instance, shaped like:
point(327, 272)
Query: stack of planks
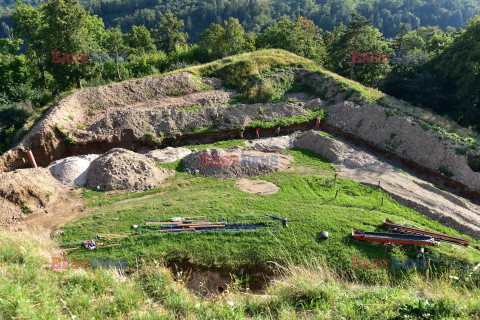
point(189, 225)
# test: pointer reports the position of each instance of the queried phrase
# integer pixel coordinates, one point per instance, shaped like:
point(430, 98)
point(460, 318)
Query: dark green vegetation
point(307, 192)
point(257, 15)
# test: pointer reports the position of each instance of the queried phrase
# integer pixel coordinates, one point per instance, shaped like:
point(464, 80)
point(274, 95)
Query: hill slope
point(111, 114)
point(299, 273)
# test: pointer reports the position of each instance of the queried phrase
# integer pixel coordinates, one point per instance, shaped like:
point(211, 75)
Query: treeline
point(256, 15)
point(62, 31)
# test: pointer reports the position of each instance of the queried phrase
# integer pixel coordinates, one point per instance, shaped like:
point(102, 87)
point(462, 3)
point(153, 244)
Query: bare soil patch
point(257, 186)
point(168, 154)
point(450, 210)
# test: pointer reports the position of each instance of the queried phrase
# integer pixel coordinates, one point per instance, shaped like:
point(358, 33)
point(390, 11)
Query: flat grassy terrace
point(307, 192)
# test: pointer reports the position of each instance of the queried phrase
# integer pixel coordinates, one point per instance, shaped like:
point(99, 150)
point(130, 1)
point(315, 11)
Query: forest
point(426, 53)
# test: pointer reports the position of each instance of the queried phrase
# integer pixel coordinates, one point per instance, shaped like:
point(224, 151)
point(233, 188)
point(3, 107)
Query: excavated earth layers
point(121, 169)
point(236, 162)
point(160, 123)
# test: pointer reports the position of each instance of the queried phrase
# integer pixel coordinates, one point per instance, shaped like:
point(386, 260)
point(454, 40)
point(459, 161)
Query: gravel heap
point(236, 162)
point(72, 170)
point(121, 169)
point(168, 154)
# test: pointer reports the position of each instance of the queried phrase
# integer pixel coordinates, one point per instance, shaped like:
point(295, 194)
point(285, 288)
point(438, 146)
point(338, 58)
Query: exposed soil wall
point(109, 124)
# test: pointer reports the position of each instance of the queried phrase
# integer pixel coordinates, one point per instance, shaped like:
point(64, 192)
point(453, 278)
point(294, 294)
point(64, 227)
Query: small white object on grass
point(135, 226)
point(324, 234)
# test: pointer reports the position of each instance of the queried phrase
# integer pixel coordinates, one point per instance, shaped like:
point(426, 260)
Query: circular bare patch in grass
point(257, 186)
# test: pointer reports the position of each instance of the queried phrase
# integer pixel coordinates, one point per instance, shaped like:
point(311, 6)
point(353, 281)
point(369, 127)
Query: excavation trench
point(210, 282)
point(405, 164)
point(58, 148)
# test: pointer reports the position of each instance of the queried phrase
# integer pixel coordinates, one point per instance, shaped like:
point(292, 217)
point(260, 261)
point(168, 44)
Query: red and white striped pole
point(31, 158)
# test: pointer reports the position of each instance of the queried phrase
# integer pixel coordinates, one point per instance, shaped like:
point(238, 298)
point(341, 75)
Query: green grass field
point(307, 192)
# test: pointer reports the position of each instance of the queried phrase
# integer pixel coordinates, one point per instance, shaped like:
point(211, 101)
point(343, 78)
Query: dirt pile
point(334, 150)
point(236, 162)
point(276, 143)
point(72, 170)
point(121, 169)
point(157, 123)
point(318, 142)
point(168, 154)
point(257, 186)
point(26, 191)
point(196, 99)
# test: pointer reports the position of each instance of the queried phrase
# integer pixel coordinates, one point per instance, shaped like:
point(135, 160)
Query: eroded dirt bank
point(151, 113)
point(363, 167)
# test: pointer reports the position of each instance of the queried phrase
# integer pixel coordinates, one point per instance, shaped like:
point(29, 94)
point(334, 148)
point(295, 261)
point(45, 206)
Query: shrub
point(444, 170)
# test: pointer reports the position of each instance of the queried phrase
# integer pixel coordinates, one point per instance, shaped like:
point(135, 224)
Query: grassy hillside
point(314, 277)
point(307, 192)
point(312, 291)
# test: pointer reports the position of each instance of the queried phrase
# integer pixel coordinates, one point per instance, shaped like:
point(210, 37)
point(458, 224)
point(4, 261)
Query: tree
point(140, 40)
point(459, 67)
point(169, 34)
point(28, 24)
point(344, 43)
point(70, 29)
point(306, 38)
point(279, 36)
point(113, 42)
point(301, 37)
point(359, 45)
point(221, 42)
point(398, 42)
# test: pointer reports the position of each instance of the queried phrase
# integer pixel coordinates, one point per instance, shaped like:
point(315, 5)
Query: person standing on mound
point(257, 133)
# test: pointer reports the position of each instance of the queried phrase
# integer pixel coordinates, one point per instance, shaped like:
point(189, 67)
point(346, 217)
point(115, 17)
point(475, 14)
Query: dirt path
point(142, 198)
point(448, 209)
point(70, 207)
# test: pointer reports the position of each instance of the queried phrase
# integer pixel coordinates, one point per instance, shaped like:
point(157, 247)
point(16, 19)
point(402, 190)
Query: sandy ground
point(69, 207)
point(448, 209)
point(257, 186)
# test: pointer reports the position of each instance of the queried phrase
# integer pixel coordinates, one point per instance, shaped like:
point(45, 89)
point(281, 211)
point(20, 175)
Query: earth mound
point(328, 147)
point(121, 169)
point(336, 151)
point(168, 154)
point(26, 191)
point(72, 170)
point(236, 162)
point(275, 143)
point(257, 186)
